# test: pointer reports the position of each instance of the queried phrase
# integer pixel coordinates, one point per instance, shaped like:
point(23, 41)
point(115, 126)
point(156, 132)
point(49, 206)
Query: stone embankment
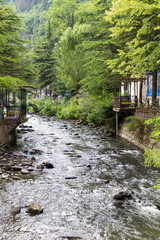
point(140, 137)
point(8, 131)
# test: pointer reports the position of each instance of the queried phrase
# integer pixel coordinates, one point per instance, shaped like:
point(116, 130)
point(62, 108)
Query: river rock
point(34, 209)
point(5, 175)
point(7, 167)
point(40, 166)
point(15, 178)
point(16, 168)
point(26, 164)
point(33, 158)
point(70, 177)
point(105, 181)
point(123, 195)
point(48, 165)
point(30, 169)
point(24, 171)
point(89, 166)
point(36, 151)
point(15, 211)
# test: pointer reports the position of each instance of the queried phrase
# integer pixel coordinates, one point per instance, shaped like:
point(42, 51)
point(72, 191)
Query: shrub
point(133, 123)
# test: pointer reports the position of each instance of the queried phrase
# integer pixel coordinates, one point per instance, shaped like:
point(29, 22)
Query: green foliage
point(10, 82)
point(70, 58)
point(11, 49)
point(96, 109)
point(134, 123)
point(70, 111)
point(135, 29)
point(155, 123)
point(92, 109)
point(34, 15)
point(152, 156)
point(61, 14)
point(44, 106)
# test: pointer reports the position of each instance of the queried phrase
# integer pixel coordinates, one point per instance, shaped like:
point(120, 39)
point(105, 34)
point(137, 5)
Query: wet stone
point(16, 178)
point(5, 175)
point(70, 177)
point(48, 165)
point(89, 166)
point(16, 168)
point(123, 195)
point(14, 211)
point(70, 238)
point(106, 181)
point(36, 151)
point(7, 167)
point(24, 171)
point(30, 169)
point(26, 164)
point(34, 209)
point(40, 166)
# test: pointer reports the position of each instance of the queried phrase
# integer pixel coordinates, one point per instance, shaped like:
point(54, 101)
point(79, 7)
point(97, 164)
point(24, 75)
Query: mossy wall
point(140, 136)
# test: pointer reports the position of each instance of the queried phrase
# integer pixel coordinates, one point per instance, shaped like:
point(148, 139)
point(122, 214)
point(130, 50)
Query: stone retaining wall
point(140, 137)
point(8, 131)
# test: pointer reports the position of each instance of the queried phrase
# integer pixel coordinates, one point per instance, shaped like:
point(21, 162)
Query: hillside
point(34, 16)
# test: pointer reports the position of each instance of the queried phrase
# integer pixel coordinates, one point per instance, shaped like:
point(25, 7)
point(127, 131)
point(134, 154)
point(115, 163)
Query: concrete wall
point(8, 131)
point(4, 137)
point(140, 137)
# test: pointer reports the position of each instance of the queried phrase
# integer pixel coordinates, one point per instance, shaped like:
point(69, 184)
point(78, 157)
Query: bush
point(92, 109)
point(69, 111)
point(133, 123)
point(152, 156)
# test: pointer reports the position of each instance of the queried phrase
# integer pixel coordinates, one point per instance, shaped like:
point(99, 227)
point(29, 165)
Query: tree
point(61, 14)
point(97, 46)
point(11, 46)
point(70, 58)
point(137, 23)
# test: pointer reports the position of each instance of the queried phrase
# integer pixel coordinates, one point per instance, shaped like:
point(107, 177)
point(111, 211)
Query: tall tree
point(97, 46)
point(11, 46)
point(70, 58)
point(61, 14)
point(137, 22)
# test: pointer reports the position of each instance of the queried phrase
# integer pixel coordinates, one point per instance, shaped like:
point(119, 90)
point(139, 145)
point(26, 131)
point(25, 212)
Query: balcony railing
point(124, 102)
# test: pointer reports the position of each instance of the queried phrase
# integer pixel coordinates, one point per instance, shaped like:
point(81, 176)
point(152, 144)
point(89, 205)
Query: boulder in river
point(34, 209)
point(123, 195)
point(48, 165)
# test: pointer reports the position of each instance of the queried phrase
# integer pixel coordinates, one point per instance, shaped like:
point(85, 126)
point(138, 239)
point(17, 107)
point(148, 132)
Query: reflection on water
point(77, 200)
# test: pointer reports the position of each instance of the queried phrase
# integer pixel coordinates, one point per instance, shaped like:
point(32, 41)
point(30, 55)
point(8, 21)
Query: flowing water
point(77, 200)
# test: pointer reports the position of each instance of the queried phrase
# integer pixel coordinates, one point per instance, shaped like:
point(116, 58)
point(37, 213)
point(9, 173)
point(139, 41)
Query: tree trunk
point(140, 92)
point(154, 90)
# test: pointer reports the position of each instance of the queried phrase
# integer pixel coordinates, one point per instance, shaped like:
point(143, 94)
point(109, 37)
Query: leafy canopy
point(135, 22)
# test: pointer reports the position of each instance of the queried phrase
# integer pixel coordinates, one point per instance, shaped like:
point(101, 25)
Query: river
point(77, 200)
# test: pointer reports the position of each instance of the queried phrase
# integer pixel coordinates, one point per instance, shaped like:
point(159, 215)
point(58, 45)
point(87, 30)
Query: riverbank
point(8, 131)
point(141, 136)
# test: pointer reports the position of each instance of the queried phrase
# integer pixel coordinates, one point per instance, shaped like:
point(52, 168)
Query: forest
point(78, 49)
